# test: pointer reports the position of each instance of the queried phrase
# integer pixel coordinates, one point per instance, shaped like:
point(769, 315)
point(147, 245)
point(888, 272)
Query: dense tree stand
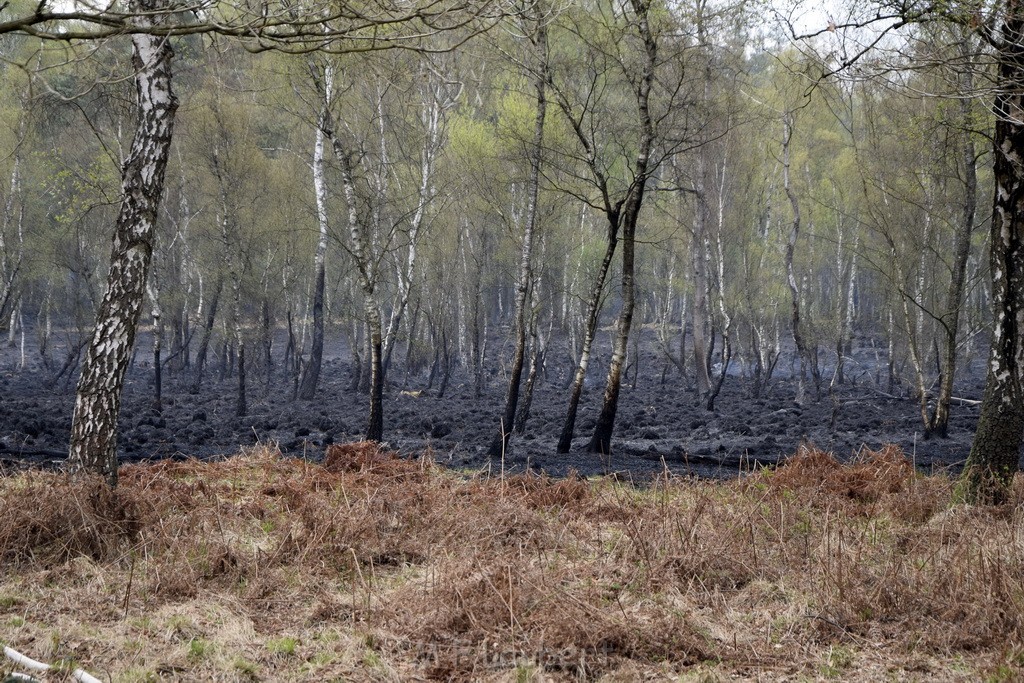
point(93, 445)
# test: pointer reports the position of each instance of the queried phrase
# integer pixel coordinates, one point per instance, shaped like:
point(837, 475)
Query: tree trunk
point(375, 426)
point(699, 312)
point(794, 234)
point(158, 334)
point(476, 343)
point(446, 366)
point(367, 275)
point(16, 323)
point(230, 265)
point(500, 442)
point(11, 264)
point(912, 331)
point(290, 357)
point(93, 444)
point(601, 441)
point(241, 404)
point(939, 425)
point(593, 310)
point(413, 353)
point(437, 102)
point(536, 363)
point(364, 382)
point(845, 336)
point(204, 341)
point(268, 342)
point(311, 374)
point(995, 452)
point(722, 308)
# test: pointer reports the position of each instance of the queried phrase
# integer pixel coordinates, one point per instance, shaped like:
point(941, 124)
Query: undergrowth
point(371, 567)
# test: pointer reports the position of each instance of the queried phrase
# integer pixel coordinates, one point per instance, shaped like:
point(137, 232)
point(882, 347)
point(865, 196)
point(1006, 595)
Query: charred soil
point(660, 425)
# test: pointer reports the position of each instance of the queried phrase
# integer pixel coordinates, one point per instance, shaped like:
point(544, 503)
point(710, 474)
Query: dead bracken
point(373, 567)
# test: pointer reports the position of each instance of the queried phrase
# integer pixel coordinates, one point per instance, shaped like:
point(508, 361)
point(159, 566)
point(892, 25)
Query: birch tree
point(311, 371)
point(995, 453)
point(93, 444)
point(619, 199)
point(538, 43)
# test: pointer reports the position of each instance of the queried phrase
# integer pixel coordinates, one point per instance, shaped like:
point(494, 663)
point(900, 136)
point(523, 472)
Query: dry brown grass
point(371, 567)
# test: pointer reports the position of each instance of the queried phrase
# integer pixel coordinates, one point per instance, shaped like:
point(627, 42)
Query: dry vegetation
point(374, 568)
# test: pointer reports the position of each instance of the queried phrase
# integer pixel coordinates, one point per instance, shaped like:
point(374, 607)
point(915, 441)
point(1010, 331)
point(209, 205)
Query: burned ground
point(659, 423)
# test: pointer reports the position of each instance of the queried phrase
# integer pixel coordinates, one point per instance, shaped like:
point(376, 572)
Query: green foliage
point(199, 648)
point(285, 645)
point(872, 164)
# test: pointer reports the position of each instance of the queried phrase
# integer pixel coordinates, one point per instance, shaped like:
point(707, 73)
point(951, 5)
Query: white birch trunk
point(93, 444)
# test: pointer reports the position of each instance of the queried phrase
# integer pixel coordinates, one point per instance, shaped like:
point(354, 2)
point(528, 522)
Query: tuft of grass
point(9, 602)
point(837, 661)
point(199, 648)
point(248, 670)
point(283, 646)
point(219, 570)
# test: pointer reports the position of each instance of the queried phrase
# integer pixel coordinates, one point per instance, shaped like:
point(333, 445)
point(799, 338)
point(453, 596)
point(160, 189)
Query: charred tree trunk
point(446, 366)
point(375, 426)
point(241, 402)
point(158, 334)
point(93, 445)
point(290, 357)
point(268, 343)
point(364, 382)
point(413, 353)
point(478, 330)
point(593, 310)
point(601, 441)
point(204, 341)
point(181, 347)
point(536, 362)
point(311, 372)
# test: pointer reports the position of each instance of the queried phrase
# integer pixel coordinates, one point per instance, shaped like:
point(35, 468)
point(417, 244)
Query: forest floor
point(659, 424)
point(368, 567)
